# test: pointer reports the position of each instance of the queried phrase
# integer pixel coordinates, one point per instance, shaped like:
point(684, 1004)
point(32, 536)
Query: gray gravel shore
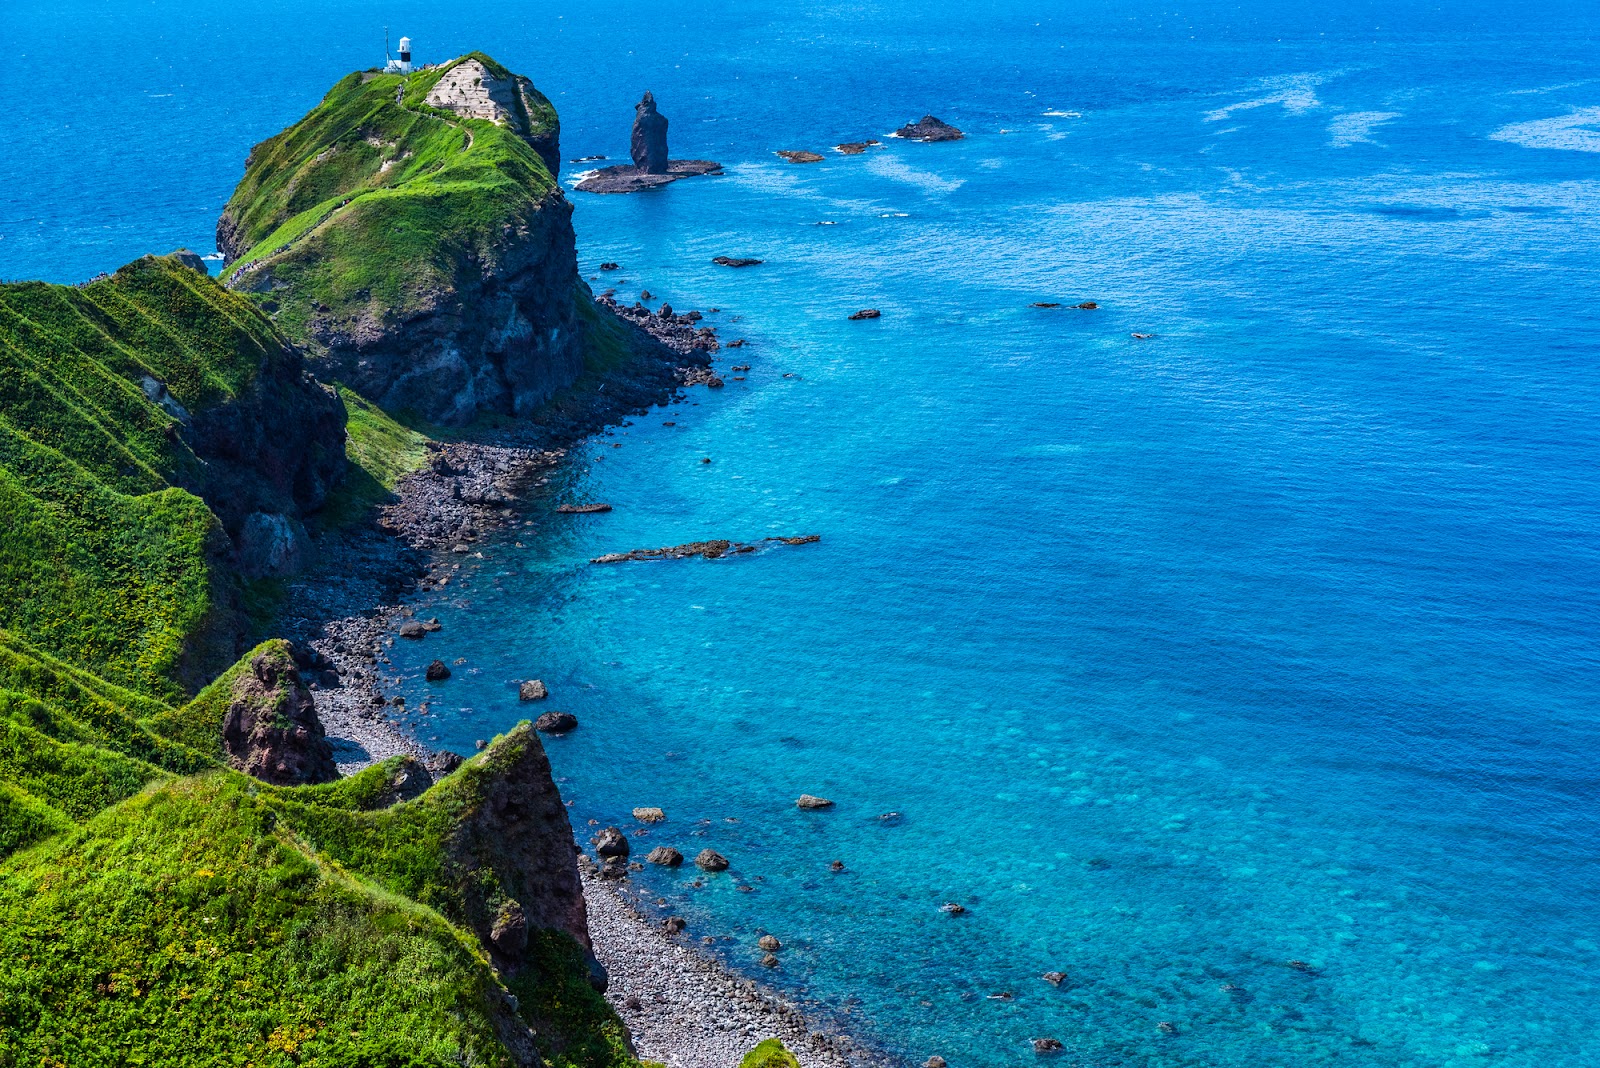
point(688, 1011)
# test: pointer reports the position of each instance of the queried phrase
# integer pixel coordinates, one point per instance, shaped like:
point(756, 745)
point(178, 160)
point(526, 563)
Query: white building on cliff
point(403, 64)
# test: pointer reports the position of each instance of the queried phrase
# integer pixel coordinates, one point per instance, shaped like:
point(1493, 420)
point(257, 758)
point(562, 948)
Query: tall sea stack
point(649, 137)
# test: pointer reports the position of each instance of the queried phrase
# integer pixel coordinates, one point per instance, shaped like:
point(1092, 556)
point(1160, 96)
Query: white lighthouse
point(403, 64)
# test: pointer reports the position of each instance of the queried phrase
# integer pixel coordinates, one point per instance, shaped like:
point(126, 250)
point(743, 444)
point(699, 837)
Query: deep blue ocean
point(1270, 637)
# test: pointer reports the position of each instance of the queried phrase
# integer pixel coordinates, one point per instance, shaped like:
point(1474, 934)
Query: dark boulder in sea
point(866, 313)
point(649, 142)
point(929, 129)
point(674, 924)
point(532, 690)
point(437, 671)
point(665, 856)
point(935, 1061)
point(855, 148)
point(769, 943)
point(556, 723)
point(735, 261)
point(1047, 1045)
point(795, 156)
point(649, 814)
point(711, 860)
point(611, 842)
point(412, 629)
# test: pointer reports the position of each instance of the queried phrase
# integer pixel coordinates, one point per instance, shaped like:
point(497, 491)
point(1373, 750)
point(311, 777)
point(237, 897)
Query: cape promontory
point(411, 234)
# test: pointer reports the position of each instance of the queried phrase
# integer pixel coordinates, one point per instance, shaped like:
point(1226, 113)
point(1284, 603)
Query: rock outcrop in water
point(651, 167)
point(649, 141)
point(929, 128)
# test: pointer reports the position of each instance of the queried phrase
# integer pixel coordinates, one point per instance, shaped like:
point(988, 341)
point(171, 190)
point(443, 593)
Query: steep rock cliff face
point(411, 233)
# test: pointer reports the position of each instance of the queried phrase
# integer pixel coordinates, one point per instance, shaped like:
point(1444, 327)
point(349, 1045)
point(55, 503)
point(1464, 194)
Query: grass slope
point(370, 204)
point(103, 561)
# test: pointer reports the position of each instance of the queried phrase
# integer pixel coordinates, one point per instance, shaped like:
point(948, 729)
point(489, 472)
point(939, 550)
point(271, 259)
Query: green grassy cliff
point(162, 445)
point(410, 232)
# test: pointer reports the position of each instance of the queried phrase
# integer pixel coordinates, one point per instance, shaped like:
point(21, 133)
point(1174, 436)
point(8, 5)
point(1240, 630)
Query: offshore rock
point(532, 690)
point(271, 729)
point(711, 860)
point(813, 802)
point(710, 550)
point(651, 168)
point(666, 856)
point(649, 141)
point(556, 723)
point(611, 842)
point(929, 128)
point(437, 671)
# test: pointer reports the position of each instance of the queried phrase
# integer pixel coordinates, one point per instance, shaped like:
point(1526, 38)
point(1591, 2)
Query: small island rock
point(866, 313)
point(929, 129)
point(1046, 1045)
point(412, 629)
point(665, 856)
point(438, 671)
point(649, 141)
point(769, 943)
point(532, 690)
point(611, 842)
point(812, 801)
point(648, 814)
point(711, 860)
point(556, 723)
point(799, 156)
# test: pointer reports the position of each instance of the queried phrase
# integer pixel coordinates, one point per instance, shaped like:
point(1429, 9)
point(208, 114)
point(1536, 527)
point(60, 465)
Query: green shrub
point(770, 1053)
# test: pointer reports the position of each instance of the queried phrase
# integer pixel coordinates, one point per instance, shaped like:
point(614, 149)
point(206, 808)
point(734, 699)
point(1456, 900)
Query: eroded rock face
point(519, 831)
point(649, 144)
point(472, 91)
point(271, 729)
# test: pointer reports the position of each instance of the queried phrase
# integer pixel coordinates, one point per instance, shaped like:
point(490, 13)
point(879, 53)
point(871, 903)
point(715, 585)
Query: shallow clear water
point(1271, 637)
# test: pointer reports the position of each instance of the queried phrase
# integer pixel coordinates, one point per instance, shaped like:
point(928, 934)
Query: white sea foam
point(1355, 127)
point(1295, 92)
point(888, 167)
point(1064, 114)
point(1577, 132)
point(1541, 90)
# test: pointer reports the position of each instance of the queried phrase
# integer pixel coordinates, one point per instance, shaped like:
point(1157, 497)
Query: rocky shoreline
point(683, 1007)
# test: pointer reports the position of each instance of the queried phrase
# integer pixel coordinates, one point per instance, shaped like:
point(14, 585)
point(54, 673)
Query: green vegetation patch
point(183, 927)
point(103, 561)
point(769, 1053)
point(371, 205)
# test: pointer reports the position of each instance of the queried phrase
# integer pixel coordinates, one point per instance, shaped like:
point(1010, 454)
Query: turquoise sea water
point(1269, 638)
